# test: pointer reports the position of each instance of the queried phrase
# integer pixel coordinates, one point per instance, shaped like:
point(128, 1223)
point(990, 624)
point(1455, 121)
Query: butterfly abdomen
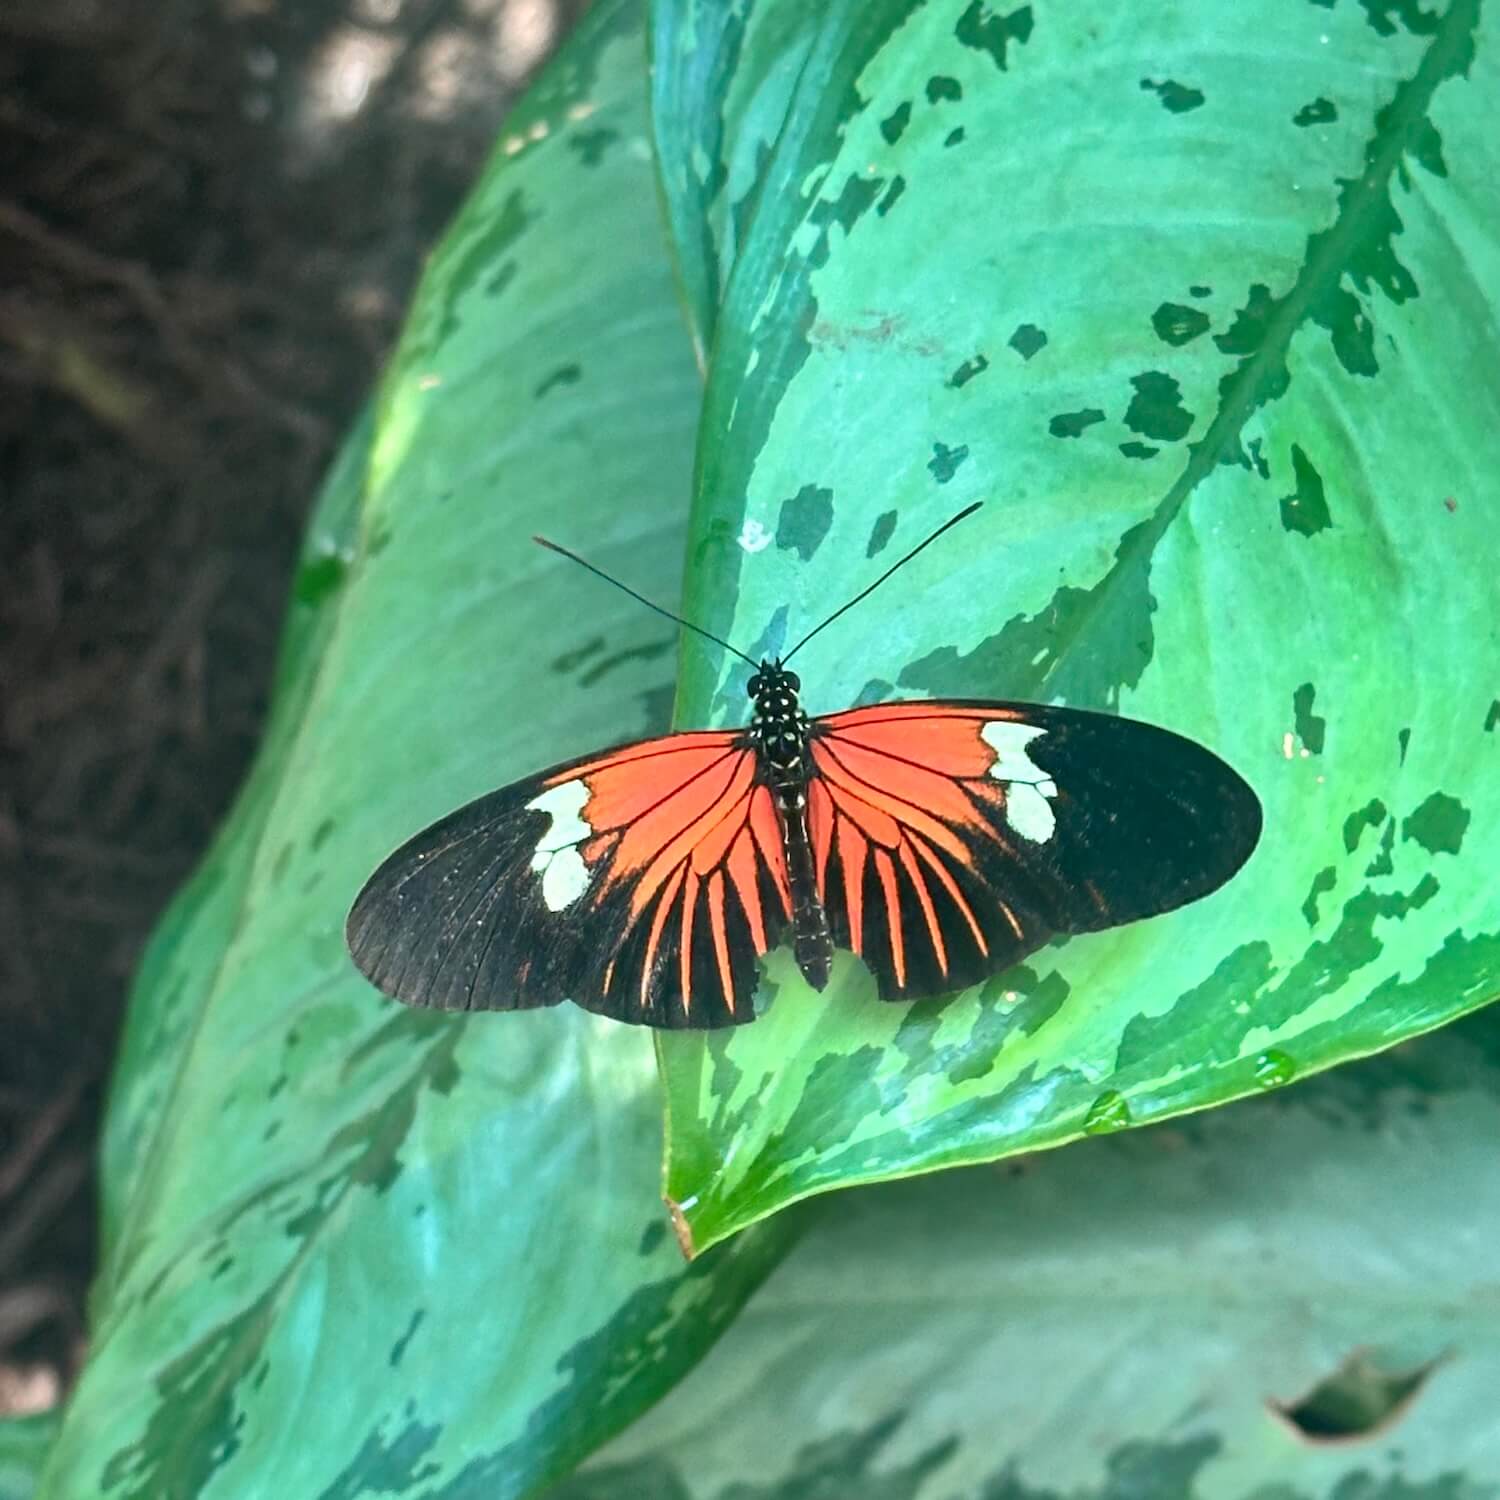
point(812, 941)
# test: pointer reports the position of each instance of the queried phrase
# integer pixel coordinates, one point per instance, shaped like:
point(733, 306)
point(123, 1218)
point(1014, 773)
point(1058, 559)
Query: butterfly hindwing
point(641, 883)
point(951, 839)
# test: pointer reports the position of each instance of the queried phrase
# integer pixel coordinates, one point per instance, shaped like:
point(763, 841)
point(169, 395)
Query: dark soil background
point(212, 213)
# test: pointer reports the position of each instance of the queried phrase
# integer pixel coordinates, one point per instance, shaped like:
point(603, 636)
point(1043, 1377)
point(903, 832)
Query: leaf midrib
point(1321, 271)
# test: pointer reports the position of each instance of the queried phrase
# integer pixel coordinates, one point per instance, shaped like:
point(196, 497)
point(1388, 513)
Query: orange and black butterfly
point(941, 841)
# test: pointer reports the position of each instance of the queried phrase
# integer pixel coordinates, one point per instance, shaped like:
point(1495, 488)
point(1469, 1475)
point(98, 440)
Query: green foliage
point(1190, 297)
point(24, 1444)
point(1113, 1321)
point(353, 1249)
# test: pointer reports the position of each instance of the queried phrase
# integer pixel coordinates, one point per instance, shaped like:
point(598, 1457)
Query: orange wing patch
point(909, 819)
point(766, 827)
point(743, 872)
point(949, 740)
point(685, 842)
point(624, 786)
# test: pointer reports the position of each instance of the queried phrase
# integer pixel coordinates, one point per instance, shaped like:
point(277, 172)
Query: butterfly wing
point(951, 839)
point(641, 883)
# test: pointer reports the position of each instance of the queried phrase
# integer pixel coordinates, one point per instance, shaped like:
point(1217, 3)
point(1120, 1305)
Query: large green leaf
point(24, 1444)
point(1201, 301)
point(1110, 1322)
point(352, 1249)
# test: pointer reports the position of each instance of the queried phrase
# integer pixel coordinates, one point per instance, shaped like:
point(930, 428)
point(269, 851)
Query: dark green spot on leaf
point(1176, 97)
point(969, 369)
point(400, 1346)
point(1028, 340)
point(804, 521)
point(1320, 112)
point(1176, 324)
point(892, 194)
point(569, 374)
point(1323, 882)
point(1343, 315)
point(941, 87)
point(846, 210)
point(1409, 13)
point(979, 28)
point(945, 461)
point(592, 144)
point(1156, 409)
point(895, 123)
point(1071, 424)
point(1137, 450)
point(1427, 147)
point(1248, 331)
point(1309, 727)
point(1383, 864)
point(1371, 816)
point(1305, 510)
point(1438, 825)
point(387, 1466)
point(881, 532)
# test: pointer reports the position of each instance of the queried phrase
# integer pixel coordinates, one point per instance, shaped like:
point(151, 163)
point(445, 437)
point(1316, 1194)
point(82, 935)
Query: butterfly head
point(774, 689)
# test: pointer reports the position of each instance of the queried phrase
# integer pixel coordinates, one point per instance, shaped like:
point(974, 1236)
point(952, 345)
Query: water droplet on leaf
point(1274, 1068)
point(319, 576)
point(1108, 1112)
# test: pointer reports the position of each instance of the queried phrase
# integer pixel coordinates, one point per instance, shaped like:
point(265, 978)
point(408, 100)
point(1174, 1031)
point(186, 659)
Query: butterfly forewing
point(642, 883)
point(951, 839)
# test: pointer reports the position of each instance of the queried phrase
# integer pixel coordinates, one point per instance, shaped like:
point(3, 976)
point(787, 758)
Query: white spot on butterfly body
point(1028, 788)
point(565, 877)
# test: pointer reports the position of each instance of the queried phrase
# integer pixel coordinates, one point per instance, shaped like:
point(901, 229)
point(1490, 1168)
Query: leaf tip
point(678, 1213)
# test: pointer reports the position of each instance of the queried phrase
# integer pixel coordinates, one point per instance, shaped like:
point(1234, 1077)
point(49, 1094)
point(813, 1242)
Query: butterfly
point(940, 840)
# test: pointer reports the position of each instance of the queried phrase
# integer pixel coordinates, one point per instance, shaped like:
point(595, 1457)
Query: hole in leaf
point(1358, 1400)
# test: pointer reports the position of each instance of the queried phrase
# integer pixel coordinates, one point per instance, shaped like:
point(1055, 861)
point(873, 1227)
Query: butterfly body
point(780, 730)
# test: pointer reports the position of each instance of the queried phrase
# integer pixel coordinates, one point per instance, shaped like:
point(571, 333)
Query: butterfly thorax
point(778, 726)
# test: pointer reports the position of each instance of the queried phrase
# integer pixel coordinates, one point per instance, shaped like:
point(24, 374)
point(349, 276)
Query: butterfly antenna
point(865, 593)
point(542, 541)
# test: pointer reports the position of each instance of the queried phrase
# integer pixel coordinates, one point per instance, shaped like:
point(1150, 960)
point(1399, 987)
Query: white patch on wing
point(1028, 788)
point(565, 877)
